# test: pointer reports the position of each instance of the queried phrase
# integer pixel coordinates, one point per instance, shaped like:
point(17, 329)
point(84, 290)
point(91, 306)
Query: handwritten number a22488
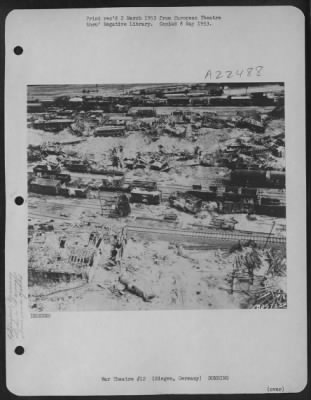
point(239, 73)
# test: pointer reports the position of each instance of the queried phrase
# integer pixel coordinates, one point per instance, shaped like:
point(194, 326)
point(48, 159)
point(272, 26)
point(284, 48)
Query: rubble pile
point(261, 275)
point(247, 151)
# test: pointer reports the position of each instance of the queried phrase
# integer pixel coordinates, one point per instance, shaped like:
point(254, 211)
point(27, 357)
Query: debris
point(145, 196)
point(121, 208)
point(133, 288)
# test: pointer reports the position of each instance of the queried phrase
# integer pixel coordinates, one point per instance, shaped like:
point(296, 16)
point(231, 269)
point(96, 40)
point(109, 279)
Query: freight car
point(219, 101)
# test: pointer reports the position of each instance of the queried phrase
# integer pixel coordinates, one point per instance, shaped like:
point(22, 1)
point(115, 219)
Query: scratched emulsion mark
point(15, 307)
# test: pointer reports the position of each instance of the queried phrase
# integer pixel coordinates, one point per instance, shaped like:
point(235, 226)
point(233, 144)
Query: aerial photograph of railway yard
point(156, 196)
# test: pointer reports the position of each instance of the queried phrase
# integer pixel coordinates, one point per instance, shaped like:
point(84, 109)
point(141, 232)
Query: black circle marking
point(19, 350)
point(19, 200)
point(18, 50)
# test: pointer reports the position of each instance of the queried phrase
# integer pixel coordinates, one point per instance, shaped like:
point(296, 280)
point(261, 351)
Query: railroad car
point(199, 101)
point(146, 185)
point(45, 186)
point(271, 210)
point(236, 206)
point(240, 101)
point(258, 178)
point(77, 165)
point(53, 125)
point(262, 99)
point(276, 178)
point(109, 130)
point(63, 178)
point(219, 101)
point(105, 170)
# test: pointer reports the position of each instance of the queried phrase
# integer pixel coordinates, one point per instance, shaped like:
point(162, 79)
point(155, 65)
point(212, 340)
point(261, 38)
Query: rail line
point(209, 235)
point(49, 207)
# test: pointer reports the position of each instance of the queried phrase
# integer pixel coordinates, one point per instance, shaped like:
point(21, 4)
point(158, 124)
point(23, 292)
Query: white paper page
point(174, 260)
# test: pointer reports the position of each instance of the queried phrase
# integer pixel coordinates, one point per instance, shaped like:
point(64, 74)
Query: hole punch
point(19, 200)
point(19, 350)
point(18, 50)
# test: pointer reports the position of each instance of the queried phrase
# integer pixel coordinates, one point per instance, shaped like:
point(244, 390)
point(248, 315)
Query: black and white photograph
point(156, 196)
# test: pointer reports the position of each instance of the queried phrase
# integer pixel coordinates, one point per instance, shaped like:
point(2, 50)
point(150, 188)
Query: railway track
point(44, 215)
point(209, 236)
point(85, 204)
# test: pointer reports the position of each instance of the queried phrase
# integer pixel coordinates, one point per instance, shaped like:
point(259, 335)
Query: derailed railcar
point(205, 195)
point(114, 182)
point(185, 202)
point(140, 195)
point(251, 124)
